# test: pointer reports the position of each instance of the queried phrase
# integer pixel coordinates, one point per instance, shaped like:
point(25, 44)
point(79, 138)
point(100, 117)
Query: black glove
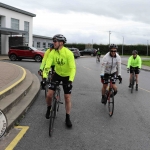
point(128, 70)
point(120, 79)
point(44, 81)
point(40, 72)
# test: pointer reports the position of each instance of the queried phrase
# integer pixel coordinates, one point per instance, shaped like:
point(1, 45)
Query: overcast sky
point(89, 21)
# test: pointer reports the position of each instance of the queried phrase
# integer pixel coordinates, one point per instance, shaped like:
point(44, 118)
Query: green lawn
point(146, 62)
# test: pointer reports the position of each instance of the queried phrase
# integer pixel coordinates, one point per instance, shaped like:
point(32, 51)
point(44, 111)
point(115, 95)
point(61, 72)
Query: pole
point(109, 37)
point(147, 47)
point(122, 45)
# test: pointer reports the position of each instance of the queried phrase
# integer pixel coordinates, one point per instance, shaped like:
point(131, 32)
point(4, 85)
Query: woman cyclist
point(110, 63)
point(40, 72)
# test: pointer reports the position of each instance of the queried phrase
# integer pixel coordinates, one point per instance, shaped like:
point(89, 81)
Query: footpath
point(18, 90)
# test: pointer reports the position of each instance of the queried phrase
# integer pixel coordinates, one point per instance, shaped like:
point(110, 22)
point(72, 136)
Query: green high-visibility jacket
point(134, 62)
point(64, 62)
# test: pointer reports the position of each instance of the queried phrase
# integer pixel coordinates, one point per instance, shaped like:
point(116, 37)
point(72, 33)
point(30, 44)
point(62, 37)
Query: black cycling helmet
point(60, 37)
point(51, 45)
point(111, 46)
point(134, 52)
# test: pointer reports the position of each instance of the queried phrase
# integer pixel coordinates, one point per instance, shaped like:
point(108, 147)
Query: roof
point(16, 9)
point(8, 31)
point(42, 37)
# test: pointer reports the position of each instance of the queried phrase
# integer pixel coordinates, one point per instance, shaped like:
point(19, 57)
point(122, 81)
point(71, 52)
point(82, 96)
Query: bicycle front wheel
point(52, 118)
point(111, 104)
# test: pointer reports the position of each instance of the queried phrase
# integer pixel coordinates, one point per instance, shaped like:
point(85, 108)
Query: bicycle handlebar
point(110, 77)
point(58, 83)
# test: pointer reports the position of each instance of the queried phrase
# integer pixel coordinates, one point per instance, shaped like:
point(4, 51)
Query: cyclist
point(134, 62)
point(110, 63)
point(40, 72)
point(98, 54)
point(65, 69)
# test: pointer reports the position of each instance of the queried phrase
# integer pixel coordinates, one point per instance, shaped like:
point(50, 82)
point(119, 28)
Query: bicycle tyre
point(111, 104)
point(52, 117)
point(132, 83)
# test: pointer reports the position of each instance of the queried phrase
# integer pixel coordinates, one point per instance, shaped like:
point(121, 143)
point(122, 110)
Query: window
point(49, 44)
point(38, 44)
point(26, 28)
point(15, 24)
point(0, 21)
point(44, 45)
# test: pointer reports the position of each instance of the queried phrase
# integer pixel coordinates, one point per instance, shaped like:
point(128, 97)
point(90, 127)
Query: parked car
point(76, 52)
point(88, 51)
point(25, 52)
point(44, 49)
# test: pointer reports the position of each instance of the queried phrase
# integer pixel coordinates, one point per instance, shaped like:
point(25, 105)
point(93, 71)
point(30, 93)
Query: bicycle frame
point(109, 94)
point(55, 107)
point(133, 79)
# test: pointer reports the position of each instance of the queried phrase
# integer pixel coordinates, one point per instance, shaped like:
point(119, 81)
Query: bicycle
point(97, 58)
point(48, 80)
point(56, 100)
point(109, 95)
point(133, 79)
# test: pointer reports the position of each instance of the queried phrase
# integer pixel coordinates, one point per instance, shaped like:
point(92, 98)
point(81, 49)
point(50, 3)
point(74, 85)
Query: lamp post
point(147, 47)
point(122, 45)
point(109, 37)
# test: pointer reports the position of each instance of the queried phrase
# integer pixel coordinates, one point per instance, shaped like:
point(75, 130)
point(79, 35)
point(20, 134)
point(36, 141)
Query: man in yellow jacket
point(65, 70)
point(134, 62)
point(40, 72)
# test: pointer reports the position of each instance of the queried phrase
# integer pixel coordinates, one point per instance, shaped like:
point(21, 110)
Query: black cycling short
point(67, 89)
point(135, 68)
point(112, 79)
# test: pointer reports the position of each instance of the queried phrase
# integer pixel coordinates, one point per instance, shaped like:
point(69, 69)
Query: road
point(93, 129)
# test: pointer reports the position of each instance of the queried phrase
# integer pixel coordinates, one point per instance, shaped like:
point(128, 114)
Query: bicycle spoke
point(111, 105)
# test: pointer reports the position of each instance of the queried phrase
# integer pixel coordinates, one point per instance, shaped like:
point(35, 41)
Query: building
point(15, 22)
point(41, 41)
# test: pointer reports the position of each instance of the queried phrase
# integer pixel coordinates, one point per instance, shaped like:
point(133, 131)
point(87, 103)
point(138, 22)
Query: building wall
point(6, 16)
point(41, 41)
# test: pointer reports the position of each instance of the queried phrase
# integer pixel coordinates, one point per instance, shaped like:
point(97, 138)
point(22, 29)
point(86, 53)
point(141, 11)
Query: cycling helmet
point(60, 37)
point(113, 46)
point(134, 52)
point(51, 45)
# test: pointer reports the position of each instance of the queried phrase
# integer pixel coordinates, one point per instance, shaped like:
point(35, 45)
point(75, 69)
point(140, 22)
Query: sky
point(90, 21)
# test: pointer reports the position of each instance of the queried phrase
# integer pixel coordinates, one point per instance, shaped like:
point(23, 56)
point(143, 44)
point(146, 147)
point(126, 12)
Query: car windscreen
point(33, 48)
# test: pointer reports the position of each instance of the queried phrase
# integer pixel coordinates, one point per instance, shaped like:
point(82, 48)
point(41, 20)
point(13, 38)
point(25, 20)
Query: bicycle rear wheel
point(46, 89)
point(132, 83)
point(111, 104)
point(52, 117)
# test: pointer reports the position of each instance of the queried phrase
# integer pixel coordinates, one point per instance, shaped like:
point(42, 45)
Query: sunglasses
point(55, 41)
point(113, 51)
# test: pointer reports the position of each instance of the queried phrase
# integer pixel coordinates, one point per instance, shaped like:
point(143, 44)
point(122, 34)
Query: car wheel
point(13, 57)
point(38, 58)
